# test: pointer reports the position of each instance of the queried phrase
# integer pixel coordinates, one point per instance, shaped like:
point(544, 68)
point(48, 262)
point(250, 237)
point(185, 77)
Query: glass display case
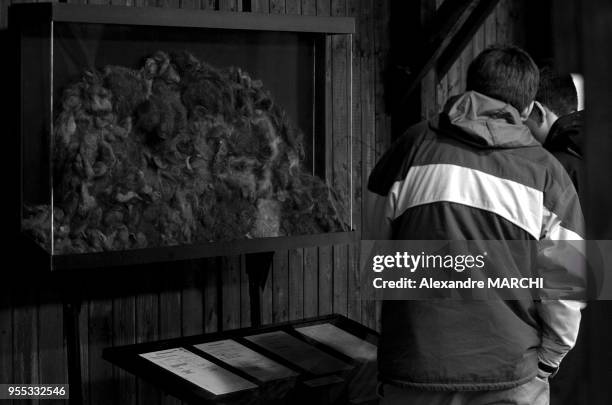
point(155, 134)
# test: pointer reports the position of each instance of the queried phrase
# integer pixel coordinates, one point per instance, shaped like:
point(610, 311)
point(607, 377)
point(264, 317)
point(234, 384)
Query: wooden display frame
point(44, 15)
point(166, 17)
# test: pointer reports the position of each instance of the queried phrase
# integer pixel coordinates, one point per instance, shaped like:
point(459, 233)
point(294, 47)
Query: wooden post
point(597, 64)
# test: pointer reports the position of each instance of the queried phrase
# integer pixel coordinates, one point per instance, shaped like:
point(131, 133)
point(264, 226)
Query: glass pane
point(172, 136)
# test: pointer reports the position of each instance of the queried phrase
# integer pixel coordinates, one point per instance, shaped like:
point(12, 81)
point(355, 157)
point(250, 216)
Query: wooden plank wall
point(505, 25)
point(143, 303)
point(146, 303)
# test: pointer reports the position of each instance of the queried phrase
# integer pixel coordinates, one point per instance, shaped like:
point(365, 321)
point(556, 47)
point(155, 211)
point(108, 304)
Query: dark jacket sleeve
point(573, 167)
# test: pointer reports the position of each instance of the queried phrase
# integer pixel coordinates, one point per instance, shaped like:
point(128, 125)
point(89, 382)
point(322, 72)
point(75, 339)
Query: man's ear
point(540, 121)
point(527, 111)
point(541, 112)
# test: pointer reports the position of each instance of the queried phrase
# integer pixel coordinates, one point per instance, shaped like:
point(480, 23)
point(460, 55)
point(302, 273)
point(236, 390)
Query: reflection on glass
point(165, 137)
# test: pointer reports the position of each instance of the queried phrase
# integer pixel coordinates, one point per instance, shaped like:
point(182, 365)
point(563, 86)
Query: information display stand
point(325, 360)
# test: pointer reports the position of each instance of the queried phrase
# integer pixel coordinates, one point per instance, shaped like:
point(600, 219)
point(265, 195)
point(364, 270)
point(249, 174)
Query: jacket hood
point(485, 122)
point(566, 134)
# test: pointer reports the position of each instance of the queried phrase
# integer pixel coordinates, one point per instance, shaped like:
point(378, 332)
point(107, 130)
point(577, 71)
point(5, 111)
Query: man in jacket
point(476, 172)
point(556, 122)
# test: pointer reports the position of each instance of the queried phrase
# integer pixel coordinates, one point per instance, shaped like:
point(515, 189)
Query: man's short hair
point(557, 92)
point(506, 73)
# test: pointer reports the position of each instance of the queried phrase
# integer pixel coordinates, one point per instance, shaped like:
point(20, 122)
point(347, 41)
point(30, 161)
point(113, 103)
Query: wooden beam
point(464, 35)
point(448, 19)
point(451, 26)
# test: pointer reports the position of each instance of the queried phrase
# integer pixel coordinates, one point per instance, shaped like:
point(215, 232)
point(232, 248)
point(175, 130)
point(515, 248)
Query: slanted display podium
point(325, 360)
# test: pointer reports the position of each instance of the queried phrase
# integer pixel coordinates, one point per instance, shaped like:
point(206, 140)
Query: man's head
point(556, 97)
point(506, 73)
